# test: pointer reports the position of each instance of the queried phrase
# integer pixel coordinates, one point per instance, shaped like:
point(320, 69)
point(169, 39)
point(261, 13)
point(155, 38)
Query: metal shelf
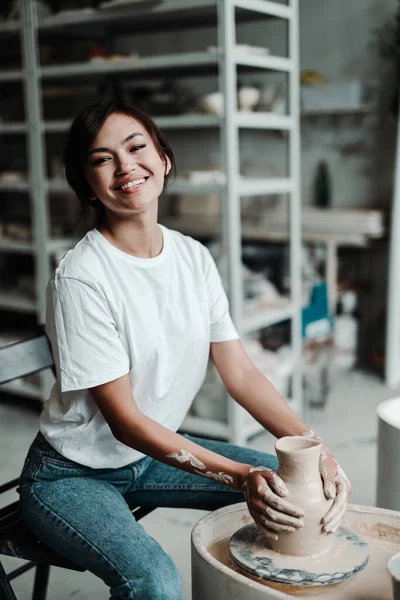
point(206, 427)
point(11, 75)
point(188, 121)
point(270, 63)
point(210, 226)
point(272, 9)
point(60, 126)
point(145, 17)
point(252, 428)
point(263, 120)
point(173, 15)
point(14, 186)
point(16, 247)
point(10, 27)
point(194, 61)
point(218, 429)
point(53, 245)
point(261, 187)
point(21, 388)
point(13, 127)
point(57, 185)
point(57, 245)
point(247, 187)
point(337, 112)
point(265, 318)
point(254, 120)
point(190, 63)
point(185, 121)
point(12, 301)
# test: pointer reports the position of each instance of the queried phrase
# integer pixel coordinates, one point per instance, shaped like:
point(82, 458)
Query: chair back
point(24, 358)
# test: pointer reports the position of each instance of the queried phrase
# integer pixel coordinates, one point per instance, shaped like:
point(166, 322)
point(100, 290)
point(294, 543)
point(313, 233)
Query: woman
point(133, 313)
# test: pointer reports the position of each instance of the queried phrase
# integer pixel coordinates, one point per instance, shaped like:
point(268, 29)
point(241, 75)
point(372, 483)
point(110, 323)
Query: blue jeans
point(85, 514)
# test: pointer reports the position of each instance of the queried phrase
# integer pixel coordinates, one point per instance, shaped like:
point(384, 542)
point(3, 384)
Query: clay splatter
point(187, 456)
point(222, 477)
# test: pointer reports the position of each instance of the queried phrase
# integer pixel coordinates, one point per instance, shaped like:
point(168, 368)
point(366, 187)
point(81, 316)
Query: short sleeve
point(222, 328)
point(85, 342)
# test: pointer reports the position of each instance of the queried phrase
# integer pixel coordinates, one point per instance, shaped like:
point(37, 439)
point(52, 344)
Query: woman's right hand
point(264, 491)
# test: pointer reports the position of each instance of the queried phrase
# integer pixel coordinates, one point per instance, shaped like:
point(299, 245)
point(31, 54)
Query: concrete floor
point(348, 424)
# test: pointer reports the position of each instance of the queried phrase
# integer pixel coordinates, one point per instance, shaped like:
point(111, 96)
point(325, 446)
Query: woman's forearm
point(156, 441)
point(259, 397)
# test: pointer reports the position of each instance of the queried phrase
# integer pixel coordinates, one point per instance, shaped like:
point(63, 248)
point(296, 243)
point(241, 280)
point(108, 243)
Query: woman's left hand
point(337, 486)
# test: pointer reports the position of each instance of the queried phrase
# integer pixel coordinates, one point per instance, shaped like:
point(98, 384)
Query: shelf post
point(37, 166)
point(230, 199)
point(295, 212)
point(36, 155)
point(392, 370)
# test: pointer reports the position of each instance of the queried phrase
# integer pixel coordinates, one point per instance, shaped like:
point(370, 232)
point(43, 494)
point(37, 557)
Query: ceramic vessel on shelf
point(213, 103)
point(299, 468)
point(248, 98)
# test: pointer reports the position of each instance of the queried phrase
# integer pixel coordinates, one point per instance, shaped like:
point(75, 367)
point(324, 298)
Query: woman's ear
point(167, 166)
point(92, 195)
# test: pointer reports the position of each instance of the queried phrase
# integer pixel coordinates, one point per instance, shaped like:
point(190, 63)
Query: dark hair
point(83, 132)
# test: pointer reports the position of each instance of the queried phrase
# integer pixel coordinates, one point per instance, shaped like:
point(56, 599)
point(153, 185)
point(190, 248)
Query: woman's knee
point(160, 581)
point(166, 584)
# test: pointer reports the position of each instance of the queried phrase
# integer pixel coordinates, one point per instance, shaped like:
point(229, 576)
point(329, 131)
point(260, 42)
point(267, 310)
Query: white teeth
point(132, 184)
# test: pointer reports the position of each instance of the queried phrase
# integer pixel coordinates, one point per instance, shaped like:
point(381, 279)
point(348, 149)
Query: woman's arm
point(252, 390)
point(131, 427)
point(264, 490)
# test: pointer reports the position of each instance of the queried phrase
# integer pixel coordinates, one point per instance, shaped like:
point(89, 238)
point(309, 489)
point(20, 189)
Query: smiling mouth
point(132, 184)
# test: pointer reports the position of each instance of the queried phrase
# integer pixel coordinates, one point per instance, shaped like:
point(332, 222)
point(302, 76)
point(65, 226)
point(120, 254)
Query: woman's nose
point(125, 164)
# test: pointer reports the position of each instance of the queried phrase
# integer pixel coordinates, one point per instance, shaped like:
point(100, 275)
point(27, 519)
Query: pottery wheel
point(347, 556)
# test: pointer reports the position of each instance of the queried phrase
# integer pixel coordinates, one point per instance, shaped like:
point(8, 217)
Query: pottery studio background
point(305, 159)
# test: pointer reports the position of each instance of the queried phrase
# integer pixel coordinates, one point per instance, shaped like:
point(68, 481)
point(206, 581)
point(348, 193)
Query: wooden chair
point(16, 539)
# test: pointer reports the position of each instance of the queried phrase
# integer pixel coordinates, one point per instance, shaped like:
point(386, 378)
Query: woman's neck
point(136, 238)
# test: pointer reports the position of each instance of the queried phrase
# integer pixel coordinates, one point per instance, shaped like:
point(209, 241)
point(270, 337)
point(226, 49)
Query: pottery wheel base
point(347, 556)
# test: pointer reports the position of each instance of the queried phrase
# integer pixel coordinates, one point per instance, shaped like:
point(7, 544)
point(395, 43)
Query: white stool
point(388, 476)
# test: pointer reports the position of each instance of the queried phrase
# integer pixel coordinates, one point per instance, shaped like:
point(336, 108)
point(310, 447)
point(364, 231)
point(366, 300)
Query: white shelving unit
point(226, 64)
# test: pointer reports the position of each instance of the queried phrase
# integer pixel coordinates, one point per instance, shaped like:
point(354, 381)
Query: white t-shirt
point(110, 313)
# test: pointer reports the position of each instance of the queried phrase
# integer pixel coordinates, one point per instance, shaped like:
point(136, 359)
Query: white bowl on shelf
point(248, 98)
point(213, 103)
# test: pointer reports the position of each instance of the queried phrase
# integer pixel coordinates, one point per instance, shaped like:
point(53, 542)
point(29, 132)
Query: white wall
point(335, 39)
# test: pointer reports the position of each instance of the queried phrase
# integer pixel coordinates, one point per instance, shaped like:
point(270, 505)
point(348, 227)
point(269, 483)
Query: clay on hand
point(342, 490)
point(264, 491)
point(336, 485)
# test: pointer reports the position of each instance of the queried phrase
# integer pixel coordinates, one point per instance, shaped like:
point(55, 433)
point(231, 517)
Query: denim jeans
point(85, 514)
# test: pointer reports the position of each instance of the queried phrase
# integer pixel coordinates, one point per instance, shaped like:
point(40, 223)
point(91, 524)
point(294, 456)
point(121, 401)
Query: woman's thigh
point(164, 485)
point(88, 521)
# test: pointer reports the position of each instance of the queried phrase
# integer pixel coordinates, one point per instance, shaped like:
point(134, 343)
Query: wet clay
point(299, 460)
point(373, 583)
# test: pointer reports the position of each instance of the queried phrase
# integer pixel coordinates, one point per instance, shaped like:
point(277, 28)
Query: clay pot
point(299, 468)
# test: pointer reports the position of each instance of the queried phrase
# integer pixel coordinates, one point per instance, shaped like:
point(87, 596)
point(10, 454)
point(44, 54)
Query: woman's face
point(124, 169)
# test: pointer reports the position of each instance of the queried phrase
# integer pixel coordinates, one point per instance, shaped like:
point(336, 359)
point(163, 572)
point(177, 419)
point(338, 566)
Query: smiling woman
point(89, 148)
point(134, 312)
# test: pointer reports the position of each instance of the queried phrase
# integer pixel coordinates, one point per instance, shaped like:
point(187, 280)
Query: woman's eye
point(100, 161)
point(135, 148)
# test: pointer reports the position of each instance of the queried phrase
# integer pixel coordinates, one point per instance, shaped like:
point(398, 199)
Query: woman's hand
point(337, 486)
point(264, 492)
